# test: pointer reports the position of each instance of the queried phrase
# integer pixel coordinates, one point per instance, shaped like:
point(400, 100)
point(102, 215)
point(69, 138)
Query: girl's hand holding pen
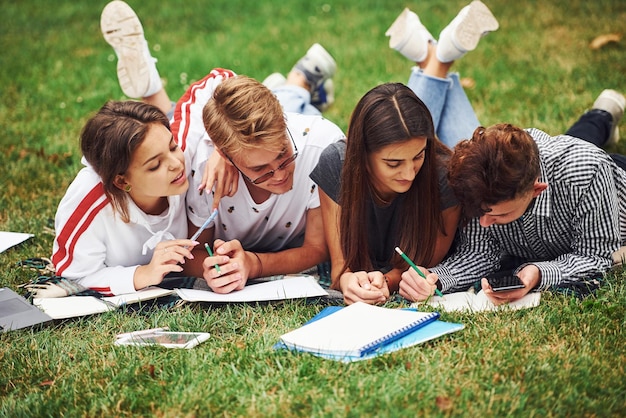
point(167, 257)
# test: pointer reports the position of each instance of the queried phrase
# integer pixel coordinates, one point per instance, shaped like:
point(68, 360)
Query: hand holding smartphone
point(504, 280)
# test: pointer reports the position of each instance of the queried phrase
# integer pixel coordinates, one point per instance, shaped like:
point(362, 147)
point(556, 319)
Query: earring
point(127, 188)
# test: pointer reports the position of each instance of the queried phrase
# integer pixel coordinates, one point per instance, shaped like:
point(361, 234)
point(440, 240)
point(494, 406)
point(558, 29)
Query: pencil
point(208, 250)
point(412, 264)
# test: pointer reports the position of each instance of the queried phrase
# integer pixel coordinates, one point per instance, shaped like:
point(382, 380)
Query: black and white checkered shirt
point(569, 231)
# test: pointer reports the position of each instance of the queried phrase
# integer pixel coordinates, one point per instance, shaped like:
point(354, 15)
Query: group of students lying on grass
point(415, 171)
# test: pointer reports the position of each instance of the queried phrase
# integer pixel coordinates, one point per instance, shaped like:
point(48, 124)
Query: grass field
point(564, 358)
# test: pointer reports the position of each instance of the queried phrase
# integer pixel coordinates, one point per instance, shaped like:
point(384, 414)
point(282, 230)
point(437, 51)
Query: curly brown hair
point(498, 164)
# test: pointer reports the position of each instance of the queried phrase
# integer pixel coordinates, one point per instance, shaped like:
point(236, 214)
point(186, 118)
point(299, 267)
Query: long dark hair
point(390, 113)
point(109, 139)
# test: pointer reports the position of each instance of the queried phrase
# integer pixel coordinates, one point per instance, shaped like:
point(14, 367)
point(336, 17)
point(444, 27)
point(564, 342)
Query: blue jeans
point(295, 99)
point(452, 112)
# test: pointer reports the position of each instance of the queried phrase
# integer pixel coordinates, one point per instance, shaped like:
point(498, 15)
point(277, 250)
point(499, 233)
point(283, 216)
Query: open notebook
point(356, 330)
point(73, 306)
point(290, 287)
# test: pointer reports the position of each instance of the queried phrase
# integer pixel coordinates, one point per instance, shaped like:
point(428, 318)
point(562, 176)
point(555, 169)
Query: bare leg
point(432, 66)
point(296, 78)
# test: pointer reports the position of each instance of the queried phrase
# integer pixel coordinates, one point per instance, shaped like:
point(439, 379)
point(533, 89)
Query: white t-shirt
point(279, 222)
point(96, 248)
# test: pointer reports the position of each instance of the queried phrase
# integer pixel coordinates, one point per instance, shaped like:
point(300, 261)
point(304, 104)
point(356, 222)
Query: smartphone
point(504, 280)
point(165, 338)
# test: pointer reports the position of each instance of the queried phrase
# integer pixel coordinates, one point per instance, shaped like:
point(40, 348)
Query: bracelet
point(260, 272)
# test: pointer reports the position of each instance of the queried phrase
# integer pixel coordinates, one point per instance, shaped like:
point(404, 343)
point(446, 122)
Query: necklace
point(378, 199)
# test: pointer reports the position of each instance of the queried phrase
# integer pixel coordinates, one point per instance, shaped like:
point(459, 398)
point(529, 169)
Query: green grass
point(564, 358)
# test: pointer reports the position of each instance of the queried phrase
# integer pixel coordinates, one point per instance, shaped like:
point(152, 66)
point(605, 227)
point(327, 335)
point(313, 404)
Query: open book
point(477, 302)
point(356, 330)
point(290, 287)
point(73, 306)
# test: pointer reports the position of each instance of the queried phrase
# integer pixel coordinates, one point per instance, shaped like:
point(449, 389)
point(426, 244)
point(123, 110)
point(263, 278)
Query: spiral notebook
point(356, 330)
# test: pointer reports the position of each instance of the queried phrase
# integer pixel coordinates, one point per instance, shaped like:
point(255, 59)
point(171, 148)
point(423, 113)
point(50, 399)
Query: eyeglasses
point(265, 177)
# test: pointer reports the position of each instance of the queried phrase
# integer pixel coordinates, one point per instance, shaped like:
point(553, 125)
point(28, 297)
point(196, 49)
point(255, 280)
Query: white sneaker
point(409, 36)
point(274, 81)
point(136, 68)
point(614, 103)
point(462, 34)
point(317, 66)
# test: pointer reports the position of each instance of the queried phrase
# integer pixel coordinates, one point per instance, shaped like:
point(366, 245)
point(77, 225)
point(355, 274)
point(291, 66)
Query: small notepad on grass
point(356, 330)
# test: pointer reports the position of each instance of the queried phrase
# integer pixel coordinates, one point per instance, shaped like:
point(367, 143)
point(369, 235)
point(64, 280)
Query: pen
point(208, 250)
point(204, 225)
point(412, 264)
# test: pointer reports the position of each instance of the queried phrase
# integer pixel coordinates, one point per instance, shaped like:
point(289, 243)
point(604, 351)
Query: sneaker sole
point(122, 30)
point(406, 35)
point(397, 32)
point(478, 21)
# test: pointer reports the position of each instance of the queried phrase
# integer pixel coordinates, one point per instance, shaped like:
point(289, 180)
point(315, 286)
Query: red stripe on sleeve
point(82, 211)
point(182, 109)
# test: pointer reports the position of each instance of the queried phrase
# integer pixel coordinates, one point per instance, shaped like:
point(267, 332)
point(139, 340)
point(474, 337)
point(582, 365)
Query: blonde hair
point(243, 115)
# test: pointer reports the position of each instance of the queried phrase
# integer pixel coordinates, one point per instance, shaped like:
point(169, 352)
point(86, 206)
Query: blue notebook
point(361, 331)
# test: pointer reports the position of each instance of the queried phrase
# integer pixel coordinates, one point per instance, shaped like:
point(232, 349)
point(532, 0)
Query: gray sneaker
point(317, 66)
point(614, 103)
point(122, 29)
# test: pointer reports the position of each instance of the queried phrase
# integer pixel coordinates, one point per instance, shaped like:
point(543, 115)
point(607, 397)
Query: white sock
point(156, 84)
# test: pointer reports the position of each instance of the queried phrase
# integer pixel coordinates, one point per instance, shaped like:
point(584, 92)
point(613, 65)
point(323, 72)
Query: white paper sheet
point(291, 287)
point(10, 239)
point(471, 302)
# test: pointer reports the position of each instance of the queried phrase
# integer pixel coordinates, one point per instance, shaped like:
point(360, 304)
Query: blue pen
point(204, 225)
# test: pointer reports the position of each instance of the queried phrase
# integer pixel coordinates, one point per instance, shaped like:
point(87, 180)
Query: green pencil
point(412, 264)
point(208, 250)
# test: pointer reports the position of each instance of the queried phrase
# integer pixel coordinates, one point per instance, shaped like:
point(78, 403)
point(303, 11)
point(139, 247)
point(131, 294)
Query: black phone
point(504, 280)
